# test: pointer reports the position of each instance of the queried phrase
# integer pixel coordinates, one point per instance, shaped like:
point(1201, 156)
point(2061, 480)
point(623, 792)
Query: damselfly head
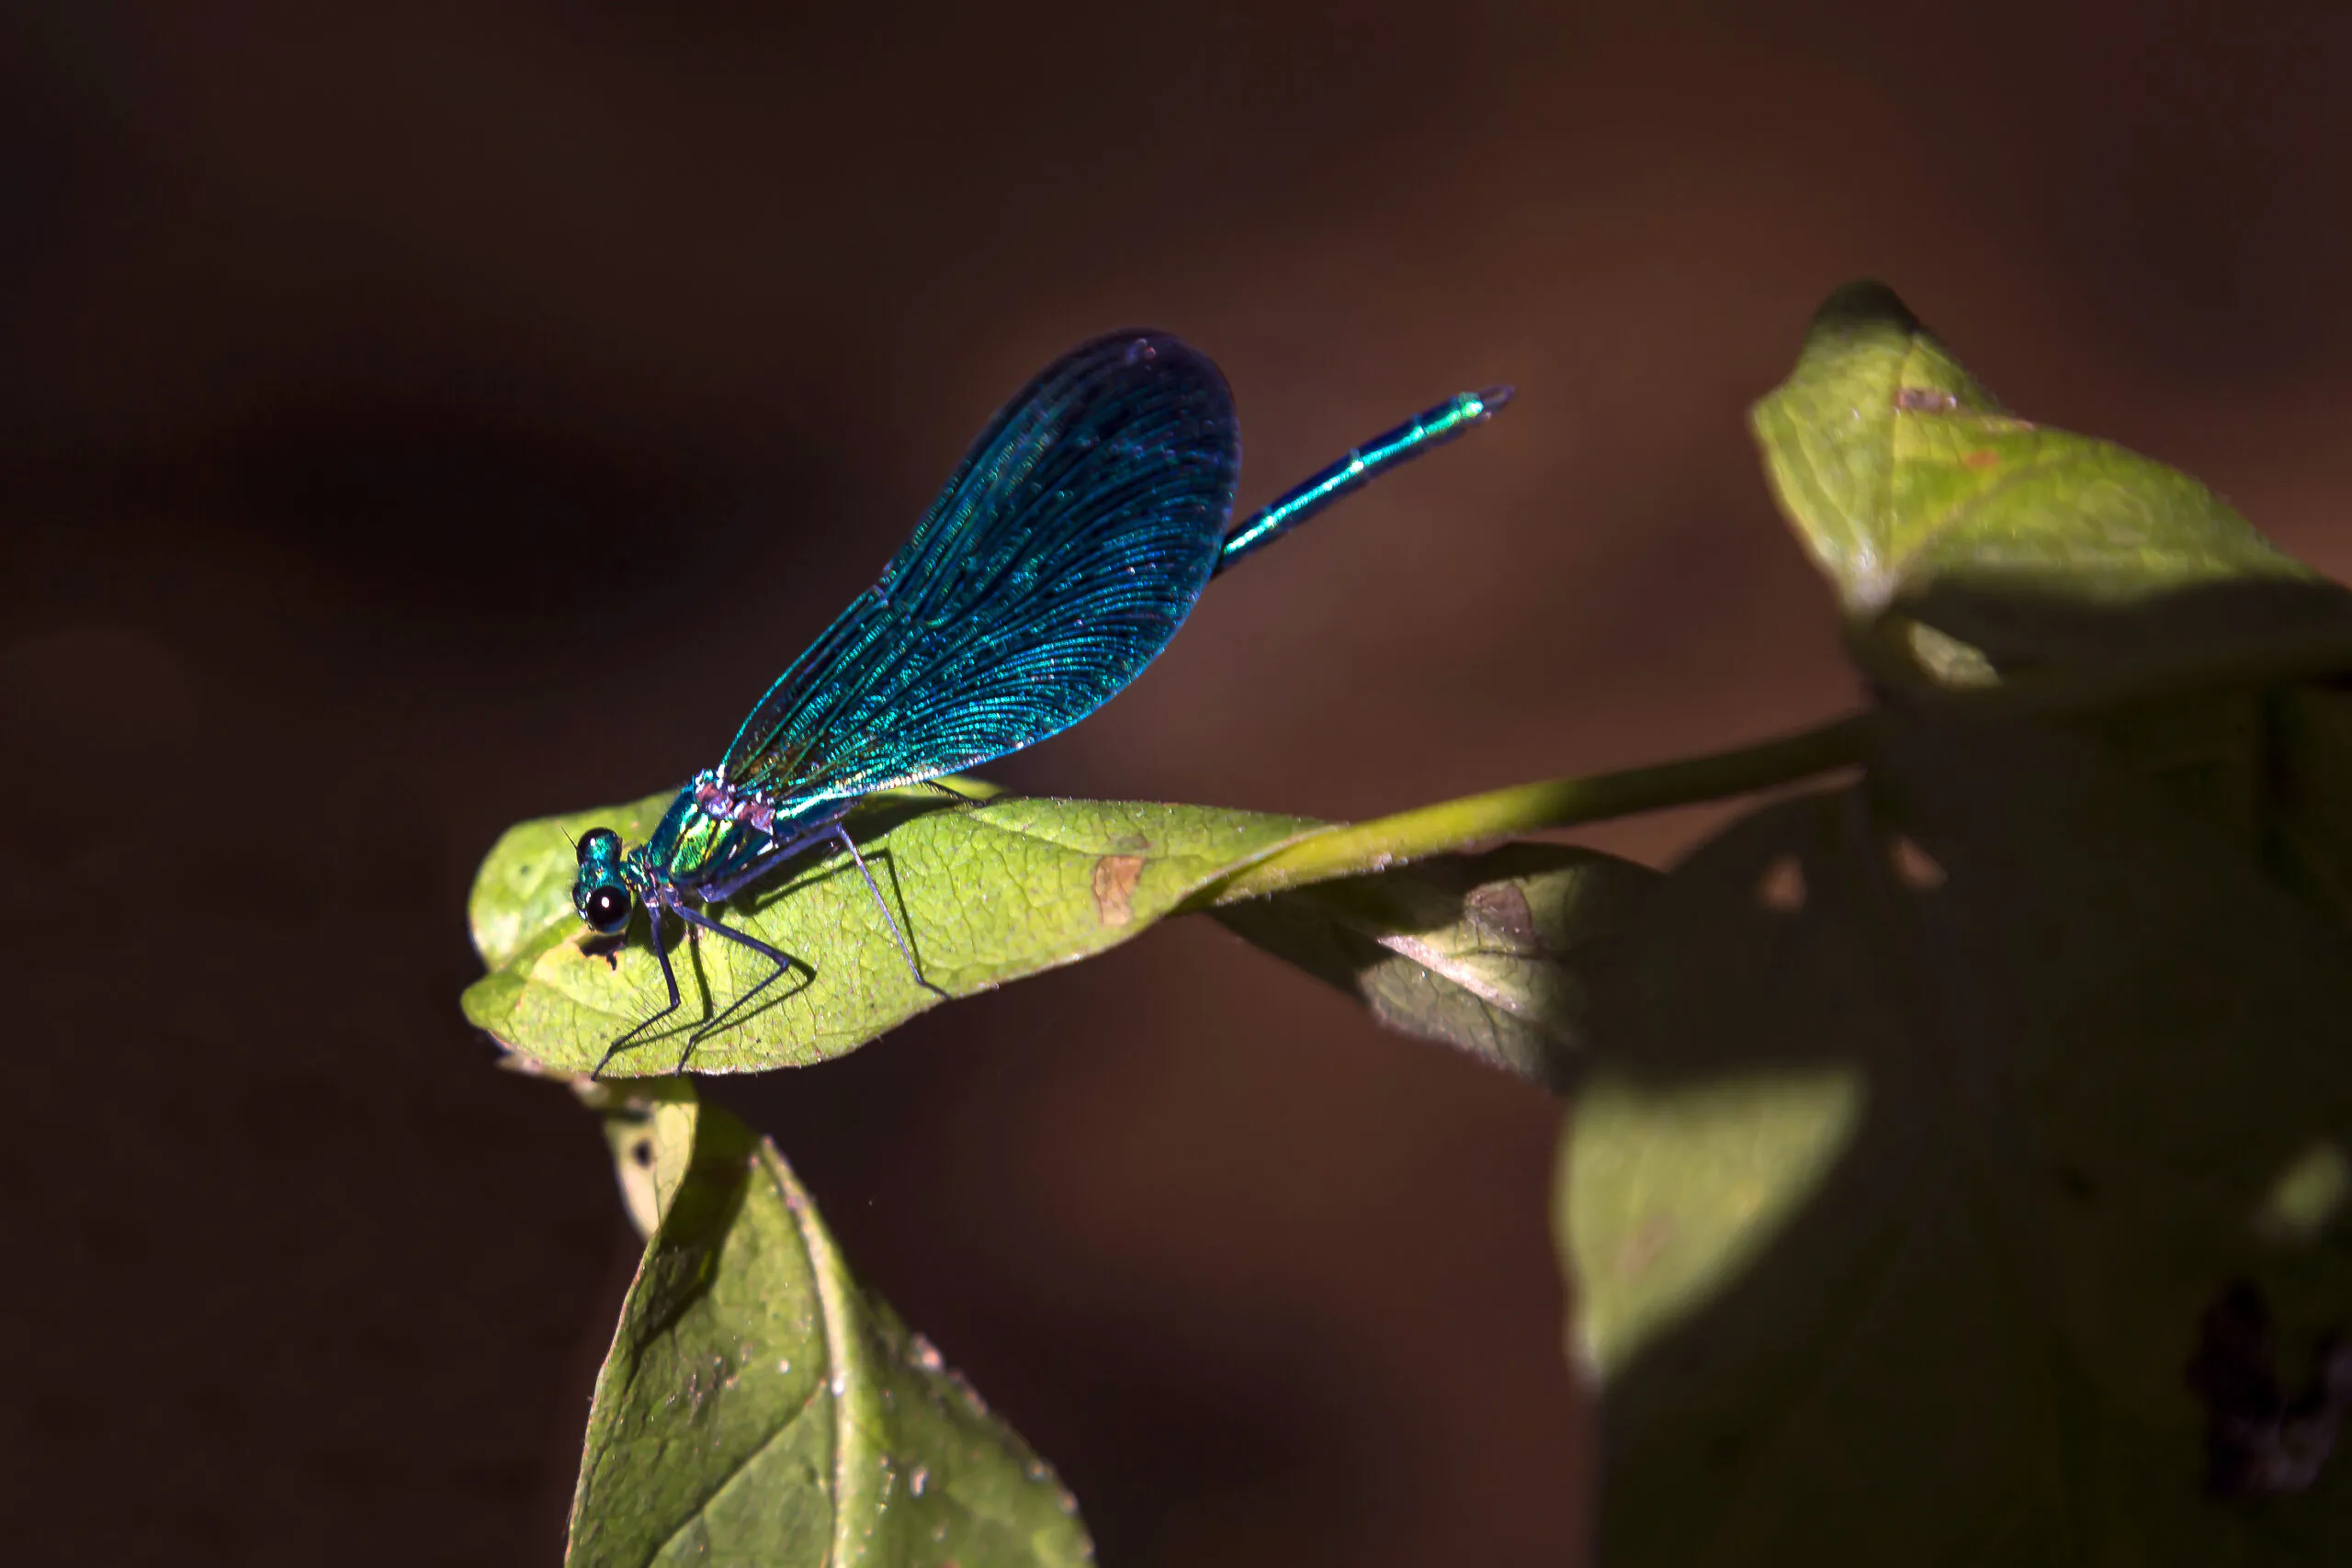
point(599, 892)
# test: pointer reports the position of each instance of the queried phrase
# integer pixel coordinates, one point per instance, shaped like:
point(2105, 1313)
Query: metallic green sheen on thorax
point(688, 844)
point(691, 846)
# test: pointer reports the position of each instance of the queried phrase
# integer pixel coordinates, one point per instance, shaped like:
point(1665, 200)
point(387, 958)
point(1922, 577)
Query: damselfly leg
point(668, 978)
point(783, 962)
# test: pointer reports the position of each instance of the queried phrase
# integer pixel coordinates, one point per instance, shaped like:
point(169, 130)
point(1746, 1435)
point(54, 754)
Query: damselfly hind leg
point(890, 920)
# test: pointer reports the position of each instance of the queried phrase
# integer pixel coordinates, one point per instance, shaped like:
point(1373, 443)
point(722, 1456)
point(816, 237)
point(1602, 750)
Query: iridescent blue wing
point(1058, 561)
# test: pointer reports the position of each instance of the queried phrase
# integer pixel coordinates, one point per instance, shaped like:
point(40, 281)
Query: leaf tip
point(1865, 305)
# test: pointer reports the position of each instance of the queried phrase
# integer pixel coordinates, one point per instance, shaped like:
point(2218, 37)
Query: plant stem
point(1354, 849)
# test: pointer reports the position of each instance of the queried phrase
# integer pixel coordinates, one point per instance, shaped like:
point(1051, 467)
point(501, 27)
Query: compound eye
point(599, 843)
point(606, 909)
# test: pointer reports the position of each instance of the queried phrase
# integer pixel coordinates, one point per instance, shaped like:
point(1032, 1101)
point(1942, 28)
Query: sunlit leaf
point(1970, 547)
point(1965, 542)
point(522, 891)
point(985, 892)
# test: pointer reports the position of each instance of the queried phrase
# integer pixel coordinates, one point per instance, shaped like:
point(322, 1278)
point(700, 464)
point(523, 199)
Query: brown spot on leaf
point(1115, 887)
point(2260, 1441)
point(1981, 460)
point(1501, 907)
point(1642, 1248)
point(1914, 866)
point(1925, 399)
point(1782, 886)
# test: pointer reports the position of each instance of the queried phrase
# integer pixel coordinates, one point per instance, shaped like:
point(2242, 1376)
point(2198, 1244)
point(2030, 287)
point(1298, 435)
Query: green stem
point(1355, 848)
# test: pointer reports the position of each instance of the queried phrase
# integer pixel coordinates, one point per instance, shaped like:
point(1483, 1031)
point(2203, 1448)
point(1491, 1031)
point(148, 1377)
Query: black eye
point(607, 909)
point(599, 843)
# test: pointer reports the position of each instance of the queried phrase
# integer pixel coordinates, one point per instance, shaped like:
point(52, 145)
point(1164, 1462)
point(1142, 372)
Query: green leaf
point(1668, 1193)
point(985, 892)
point(1483, 952)
point(523, 890)
point(1933, 1115)
point(1969, 546)
point(649, 1127)
point(1965, 543)
point(759, 1408)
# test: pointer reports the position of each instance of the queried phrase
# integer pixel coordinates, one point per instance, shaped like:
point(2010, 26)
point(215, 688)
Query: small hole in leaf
point(1782, 886)
point(2261, 1440)
point(641, 1150)
point(1914, 866)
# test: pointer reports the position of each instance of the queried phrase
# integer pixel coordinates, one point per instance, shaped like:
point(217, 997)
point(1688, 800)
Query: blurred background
point(417, 417)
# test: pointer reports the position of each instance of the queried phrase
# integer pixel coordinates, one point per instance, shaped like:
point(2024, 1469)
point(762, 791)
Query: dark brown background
point(418, 417)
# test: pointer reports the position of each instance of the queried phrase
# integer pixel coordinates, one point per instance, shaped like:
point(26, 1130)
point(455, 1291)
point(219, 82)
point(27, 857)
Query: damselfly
point(1061, 557)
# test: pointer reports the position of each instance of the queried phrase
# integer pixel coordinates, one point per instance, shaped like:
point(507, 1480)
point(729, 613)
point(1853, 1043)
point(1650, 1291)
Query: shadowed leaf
point(1933, 1116)
point(1483, 952)
point(759, 1408)
point(2307, 782)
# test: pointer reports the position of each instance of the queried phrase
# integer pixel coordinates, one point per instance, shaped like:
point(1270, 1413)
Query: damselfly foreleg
point(668, 978)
